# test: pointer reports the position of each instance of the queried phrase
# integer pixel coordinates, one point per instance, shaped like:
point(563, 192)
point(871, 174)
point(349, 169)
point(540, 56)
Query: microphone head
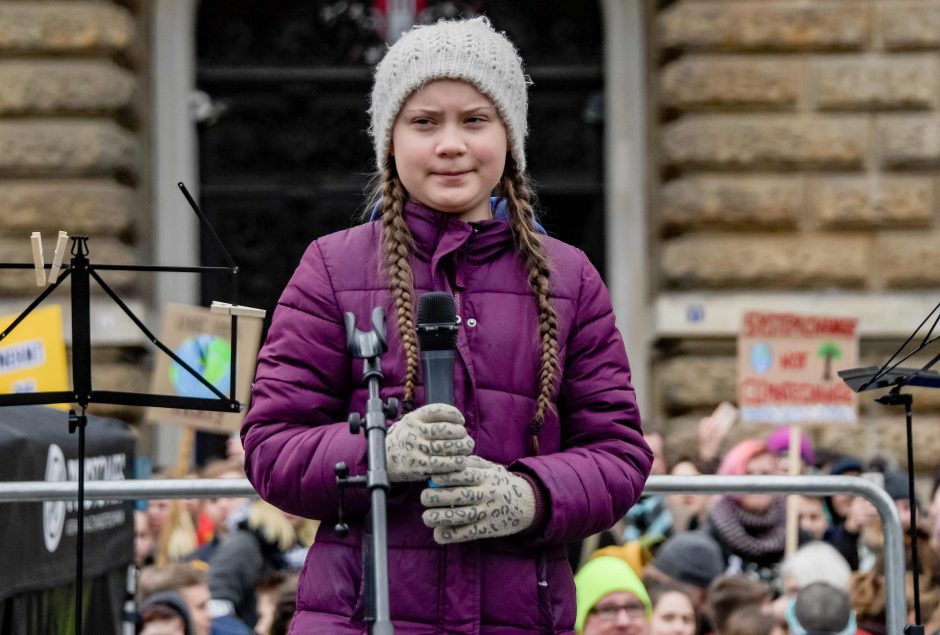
point(437, 321)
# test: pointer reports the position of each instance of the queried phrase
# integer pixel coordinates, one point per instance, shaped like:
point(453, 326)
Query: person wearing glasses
point(611, 599)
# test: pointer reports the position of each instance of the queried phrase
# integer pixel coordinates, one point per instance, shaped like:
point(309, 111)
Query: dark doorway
point(284, 153)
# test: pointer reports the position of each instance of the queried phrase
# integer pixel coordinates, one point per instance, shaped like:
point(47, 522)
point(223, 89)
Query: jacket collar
point(436, 235)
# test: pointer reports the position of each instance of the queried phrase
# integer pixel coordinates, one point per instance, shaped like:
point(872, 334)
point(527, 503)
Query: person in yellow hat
point(611, 599)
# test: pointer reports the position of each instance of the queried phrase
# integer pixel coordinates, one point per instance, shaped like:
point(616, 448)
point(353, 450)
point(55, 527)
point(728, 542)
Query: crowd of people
point(681, 564)
point(695, 564)
point(218, 566)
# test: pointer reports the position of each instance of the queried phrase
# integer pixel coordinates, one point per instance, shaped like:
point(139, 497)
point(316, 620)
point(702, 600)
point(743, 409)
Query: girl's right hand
point(427, 441)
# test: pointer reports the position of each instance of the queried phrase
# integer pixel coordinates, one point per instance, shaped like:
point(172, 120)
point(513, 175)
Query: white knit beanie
point(469, 50)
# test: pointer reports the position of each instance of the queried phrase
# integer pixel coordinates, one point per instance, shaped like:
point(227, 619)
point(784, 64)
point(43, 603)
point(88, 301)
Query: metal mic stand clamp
point(369, 347)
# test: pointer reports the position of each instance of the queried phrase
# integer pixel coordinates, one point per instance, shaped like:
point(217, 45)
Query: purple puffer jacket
point(593, 461)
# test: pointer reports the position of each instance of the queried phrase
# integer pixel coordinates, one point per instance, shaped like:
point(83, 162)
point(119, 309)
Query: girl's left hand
point(484, 500)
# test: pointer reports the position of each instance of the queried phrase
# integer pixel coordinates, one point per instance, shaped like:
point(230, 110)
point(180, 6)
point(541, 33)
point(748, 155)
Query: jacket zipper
point(457, 306)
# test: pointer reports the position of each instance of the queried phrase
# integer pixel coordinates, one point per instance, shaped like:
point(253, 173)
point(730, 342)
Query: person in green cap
point(611, 599)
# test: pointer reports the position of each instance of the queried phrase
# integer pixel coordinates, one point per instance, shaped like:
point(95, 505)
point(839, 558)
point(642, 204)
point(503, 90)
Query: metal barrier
point(705, 484)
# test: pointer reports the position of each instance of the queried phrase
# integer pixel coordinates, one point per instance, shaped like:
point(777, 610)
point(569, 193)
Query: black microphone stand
point(369, 347)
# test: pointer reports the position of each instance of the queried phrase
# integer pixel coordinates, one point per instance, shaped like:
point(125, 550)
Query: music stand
point(892, 374)
point(81, 271)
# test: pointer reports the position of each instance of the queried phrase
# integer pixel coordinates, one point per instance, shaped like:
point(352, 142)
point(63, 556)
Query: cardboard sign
point(787, 368)
point(32, 356)
point(201, 339)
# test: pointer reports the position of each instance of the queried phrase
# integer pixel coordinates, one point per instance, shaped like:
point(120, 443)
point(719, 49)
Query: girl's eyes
point(424, 122)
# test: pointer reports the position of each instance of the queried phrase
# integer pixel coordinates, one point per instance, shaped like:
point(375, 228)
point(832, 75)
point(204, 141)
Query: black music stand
point(892, 375)
point(81, 271)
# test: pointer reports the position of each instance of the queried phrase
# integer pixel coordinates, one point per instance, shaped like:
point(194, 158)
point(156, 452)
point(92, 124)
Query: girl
point(543, 446)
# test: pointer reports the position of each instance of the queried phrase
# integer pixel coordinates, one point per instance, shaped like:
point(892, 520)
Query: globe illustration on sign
point(208, 355)
point(761, 357)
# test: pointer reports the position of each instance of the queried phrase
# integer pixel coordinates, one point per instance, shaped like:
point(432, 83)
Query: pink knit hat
point(737, 458)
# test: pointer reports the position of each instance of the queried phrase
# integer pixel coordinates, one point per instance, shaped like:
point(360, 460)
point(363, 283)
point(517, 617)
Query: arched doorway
point(284, 154)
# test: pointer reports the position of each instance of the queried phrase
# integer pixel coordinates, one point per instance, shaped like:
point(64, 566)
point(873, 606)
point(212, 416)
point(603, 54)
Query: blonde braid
point(397, 244)
point(515, 187)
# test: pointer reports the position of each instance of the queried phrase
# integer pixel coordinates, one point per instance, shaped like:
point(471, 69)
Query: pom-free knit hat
point(602, 576)
point(896, 484)
point(468, 50)
point(737, 458)
point(692, 557)
point(172, 601)
point(846, 464)
point(779, 444)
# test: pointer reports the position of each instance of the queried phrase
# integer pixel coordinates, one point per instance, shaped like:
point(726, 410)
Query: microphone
point(437, 339)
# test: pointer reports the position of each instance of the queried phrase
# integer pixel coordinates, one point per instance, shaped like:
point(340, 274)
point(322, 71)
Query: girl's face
point(450, 146)
point(761, 465)
point(673, 615)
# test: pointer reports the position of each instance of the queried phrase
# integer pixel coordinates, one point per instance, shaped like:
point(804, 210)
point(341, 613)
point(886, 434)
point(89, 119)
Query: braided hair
point(397, 245)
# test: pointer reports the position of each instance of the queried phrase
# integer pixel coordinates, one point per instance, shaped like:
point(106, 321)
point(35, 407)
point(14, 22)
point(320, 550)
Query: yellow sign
point(32, 356)
point(203, 340)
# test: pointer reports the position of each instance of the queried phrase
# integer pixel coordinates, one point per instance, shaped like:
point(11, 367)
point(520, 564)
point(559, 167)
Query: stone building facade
point(73, 139)
point(797, 146)
point(792, 157)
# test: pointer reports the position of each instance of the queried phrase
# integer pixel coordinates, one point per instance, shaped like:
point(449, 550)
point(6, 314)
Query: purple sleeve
point(295, 431)
point(604, 462)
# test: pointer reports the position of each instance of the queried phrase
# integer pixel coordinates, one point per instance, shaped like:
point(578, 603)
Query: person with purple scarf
point(542, 446)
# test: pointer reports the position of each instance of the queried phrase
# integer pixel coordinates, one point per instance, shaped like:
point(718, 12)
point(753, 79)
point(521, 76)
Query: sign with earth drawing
point(202, 340)
point(788, 368)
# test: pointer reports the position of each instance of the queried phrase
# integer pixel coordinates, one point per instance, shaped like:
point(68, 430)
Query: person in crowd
point(177, 538)
point(933, 510)
point(838, 505)
point(821, 609)
point(813, 562)
point(750, 528)
point(689, 511)
point(750, 620)
point(188, 583)
point(636, 554)
point(218, 515)
point(611, 599)
point(649, 519)
point(845, 536)
point(544, 428)
point(729, 593)
point(271, 592)
point(269, 540)
point(867, 597)
point(163, 614)
point(778, 444)
point(813, 519)
point(285, 603)
point(673, 611)
point(693, 560)
point(144, 544)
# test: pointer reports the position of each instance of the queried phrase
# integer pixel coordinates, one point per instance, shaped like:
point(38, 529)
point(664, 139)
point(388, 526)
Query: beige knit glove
point(485, 500)
point(426, 441)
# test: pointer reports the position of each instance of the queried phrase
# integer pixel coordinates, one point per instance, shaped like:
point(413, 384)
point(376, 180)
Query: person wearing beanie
point(611, 599)
point(750, 528)
point(778, 444)
point(692, 560)
point(542, 445)
point(161, 607)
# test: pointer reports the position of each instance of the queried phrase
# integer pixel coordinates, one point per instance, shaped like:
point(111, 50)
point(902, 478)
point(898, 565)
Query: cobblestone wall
point(72, 129)
point(797, 146)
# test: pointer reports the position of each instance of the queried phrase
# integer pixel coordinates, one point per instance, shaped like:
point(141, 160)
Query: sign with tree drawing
point(787, 368)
